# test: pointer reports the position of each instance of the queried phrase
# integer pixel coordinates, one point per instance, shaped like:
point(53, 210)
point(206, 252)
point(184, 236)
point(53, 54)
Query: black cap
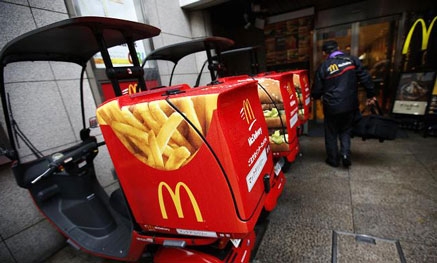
point(329, 46)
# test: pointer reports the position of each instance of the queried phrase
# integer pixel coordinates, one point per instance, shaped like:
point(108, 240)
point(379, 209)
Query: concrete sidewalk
point(389, 193)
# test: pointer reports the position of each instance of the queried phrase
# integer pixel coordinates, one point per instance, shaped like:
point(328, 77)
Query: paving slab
point(37, 242)
point(415, 252)
point(17, 208)
point(391, 222)
point(294, 243)
point(5, 255)
point(349, 247)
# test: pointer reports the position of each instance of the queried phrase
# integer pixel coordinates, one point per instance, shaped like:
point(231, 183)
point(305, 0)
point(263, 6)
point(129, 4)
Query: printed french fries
point(158, 135)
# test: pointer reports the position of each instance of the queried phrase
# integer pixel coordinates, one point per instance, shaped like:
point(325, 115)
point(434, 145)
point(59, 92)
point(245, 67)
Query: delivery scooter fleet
point(195, 165)
point(284, 96)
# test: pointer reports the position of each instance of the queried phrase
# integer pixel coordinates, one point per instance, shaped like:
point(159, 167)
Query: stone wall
point(25, 236)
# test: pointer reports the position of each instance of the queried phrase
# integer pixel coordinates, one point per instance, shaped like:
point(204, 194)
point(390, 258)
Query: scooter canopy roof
point(74, 40)
point(177, 51)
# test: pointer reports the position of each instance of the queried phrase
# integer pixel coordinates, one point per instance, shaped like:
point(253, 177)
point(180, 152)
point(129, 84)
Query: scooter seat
point(118, 203)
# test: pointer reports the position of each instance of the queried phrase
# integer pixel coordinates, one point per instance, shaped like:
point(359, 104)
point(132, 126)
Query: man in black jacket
point(336, 84)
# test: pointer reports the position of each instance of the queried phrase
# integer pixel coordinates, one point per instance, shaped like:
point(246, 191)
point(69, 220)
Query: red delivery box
point(196, 161)
point(302, 86)
point(280, 108)
point(127, 87)
point(280, 105)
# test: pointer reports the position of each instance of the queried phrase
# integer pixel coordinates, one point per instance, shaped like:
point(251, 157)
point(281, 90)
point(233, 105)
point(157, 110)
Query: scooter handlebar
point(66, 158)
point(46, 173)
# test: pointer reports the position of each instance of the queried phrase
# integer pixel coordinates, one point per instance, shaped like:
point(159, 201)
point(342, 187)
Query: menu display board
point(433, 104)
point(413, 92)
point(288, 41)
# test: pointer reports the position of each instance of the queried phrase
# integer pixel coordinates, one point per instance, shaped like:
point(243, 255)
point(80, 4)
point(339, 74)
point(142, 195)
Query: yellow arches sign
point(426, 32)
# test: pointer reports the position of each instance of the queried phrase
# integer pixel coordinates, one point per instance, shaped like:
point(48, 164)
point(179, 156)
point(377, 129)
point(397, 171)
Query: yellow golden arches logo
point(176, 197)
point(305, 81)
point(333, 68)
point(132, 89)
point(425, 34)
point(288, 88)
point(248, 111)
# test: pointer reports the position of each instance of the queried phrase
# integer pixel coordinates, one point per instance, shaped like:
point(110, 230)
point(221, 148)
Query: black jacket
point(336, 81)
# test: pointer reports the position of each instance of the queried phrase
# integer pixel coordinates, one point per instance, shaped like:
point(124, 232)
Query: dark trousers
point(338, 127)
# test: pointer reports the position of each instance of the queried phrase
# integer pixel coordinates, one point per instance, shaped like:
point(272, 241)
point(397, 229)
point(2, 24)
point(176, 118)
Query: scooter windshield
point(45, 106)
point(39, 102)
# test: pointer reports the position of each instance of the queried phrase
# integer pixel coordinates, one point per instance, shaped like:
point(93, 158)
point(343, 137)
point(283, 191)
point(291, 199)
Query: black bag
point(375, 126)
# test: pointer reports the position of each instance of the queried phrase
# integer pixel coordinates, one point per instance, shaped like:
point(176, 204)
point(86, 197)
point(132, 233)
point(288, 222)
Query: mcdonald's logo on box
point(176, 198)
point(247, 113)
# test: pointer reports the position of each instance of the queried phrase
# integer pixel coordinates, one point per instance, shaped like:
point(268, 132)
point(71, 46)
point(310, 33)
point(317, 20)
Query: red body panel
point(127, 87)
point(289, 100)
point(302, 85)
point(174, 254)
point(203, 197)
point(290, 103)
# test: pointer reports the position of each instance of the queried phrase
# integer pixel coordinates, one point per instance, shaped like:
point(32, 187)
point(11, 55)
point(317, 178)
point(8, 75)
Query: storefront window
point(132, 10)
point(375, 50)
point(341, 34)
point(121, 9)
point(373, 43)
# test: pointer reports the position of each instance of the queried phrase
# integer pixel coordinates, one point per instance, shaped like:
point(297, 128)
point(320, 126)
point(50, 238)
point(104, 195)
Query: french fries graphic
point(155, 133)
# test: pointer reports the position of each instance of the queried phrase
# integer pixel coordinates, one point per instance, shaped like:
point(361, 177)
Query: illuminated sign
point(176, 197)
point(425, 34)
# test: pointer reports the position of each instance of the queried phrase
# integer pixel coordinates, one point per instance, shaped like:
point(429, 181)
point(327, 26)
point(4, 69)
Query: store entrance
point(373, 42)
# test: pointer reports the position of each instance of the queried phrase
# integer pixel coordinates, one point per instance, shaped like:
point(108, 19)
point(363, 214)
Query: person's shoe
point(331, 163)
point(346, 161)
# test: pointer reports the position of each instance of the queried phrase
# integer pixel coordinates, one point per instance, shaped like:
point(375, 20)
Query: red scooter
point(196, 172)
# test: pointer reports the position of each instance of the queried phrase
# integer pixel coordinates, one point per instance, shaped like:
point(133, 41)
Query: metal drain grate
point(349, 247)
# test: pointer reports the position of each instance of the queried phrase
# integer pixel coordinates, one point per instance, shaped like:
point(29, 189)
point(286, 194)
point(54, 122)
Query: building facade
point(377, 34)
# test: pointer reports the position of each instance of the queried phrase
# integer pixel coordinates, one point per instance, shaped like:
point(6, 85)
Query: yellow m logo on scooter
point(425, 34)
point(132, 89)
point(176, 197)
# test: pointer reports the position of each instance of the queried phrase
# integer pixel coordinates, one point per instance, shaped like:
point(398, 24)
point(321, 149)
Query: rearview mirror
point(93, 122)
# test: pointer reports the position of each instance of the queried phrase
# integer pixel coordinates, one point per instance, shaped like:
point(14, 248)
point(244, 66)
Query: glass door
point(376, 46)
point(343, 35)
point(373, 42)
